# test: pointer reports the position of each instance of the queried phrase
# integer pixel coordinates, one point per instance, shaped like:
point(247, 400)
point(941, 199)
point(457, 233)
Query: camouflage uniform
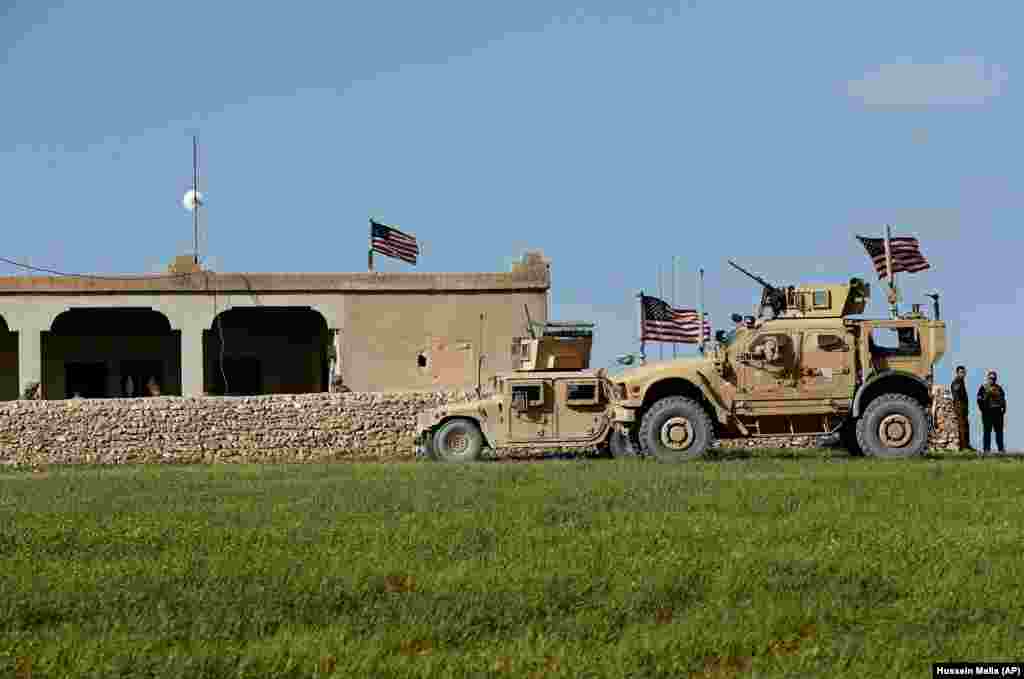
point(992, 402)
point(959, 391)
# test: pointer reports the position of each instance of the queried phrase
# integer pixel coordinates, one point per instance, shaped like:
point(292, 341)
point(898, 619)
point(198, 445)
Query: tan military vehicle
point(804, 367)
point(552, 399)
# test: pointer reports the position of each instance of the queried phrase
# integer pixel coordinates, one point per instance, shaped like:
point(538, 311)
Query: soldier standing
point(959, 391)
point(992, 403)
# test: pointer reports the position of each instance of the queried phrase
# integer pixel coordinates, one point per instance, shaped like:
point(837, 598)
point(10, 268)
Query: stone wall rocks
point(278, 428)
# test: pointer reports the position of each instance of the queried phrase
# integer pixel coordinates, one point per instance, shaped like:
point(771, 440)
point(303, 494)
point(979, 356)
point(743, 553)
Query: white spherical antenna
point(192, 200)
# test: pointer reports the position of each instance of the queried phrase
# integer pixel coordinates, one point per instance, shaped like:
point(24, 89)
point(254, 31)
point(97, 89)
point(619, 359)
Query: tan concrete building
point(197, 332)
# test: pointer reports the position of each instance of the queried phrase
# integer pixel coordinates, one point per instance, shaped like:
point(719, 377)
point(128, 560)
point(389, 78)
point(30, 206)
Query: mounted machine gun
point(773, 297)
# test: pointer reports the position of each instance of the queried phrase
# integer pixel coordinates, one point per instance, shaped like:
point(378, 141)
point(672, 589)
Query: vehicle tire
point(620, 446)
point(458, 440)
point(675, 429)
point(893, 426)
point(848, 438)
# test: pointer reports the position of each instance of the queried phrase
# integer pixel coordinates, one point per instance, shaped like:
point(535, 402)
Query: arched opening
point(8, 362)
point(267, 350)
point(109, 352)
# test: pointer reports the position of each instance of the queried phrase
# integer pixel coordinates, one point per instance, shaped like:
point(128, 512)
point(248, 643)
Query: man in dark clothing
point(992, 402)
point(960, 404)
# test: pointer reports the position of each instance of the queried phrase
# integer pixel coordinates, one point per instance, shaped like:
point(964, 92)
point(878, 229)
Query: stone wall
point(279, 428)
point(299, 428)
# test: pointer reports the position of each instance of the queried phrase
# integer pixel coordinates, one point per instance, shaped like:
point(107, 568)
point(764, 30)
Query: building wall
point(385, 334)
point(382, 323)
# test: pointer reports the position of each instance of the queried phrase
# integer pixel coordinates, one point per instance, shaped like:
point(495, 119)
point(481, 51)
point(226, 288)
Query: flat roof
point(525, 279)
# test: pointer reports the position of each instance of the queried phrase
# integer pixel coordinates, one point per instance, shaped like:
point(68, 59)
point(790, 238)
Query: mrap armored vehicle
point(803, 367)
point(551, 399)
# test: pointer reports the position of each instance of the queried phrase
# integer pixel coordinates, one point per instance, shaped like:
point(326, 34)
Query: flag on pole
point(660, 322)
point(391, 242)
point(905, 252)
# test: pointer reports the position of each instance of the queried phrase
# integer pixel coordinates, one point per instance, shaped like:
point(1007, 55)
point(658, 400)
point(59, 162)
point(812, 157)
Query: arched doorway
point(266, 350)
point(8, 362)
point(105, 352)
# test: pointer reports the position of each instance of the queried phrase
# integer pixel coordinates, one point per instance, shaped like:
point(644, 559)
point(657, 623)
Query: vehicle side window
point(533, 393)
point(581, 393)
point(895, 342)
point(829, 342)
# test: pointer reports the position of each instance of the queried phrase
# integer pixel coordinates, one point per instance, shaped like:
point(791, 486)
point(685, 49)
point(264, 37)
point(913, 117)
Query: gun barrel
point(755, 277)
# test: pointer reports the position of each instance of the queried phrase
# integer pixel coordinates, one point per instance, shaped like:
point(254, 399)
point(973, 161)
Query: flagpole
point(640, 325)
point(661, 296)
point(674, 296)
point(195, 190)
point(700, 310)
point(893, 309)
point(369, 254)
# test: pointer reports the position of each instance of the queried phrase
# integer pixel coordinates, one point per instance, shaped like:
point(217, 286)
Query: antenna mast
point(195, 193)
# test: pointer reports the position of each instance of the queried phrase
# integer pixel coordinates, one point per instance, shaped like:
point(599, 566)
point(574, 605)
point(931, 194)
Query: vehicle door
point(827, 364)
point(766, 368)
point(531, 413)
point(582, 408)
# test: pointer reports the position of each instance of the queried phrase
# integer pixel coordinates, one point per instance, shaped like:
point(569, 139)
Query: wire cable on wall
point(137, 277)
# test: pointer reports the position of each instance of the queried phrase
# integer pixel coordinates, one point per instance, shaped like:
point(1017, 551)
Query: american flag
point(905, 250)
point(391, 242)
point(660, 322)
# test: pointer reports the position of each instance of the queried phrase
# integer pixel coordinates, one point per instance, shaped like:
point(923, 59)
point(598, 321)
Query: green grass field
point(770, 565)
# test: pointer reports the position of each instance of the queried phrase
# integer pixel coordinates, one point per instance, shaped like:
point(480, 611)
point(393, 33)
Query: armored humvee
point(551, 399)
point(804, 367)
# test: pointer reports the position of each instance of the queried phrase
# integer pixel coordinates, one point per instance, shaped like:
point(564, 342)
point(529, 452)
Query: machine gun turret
point(772, 297)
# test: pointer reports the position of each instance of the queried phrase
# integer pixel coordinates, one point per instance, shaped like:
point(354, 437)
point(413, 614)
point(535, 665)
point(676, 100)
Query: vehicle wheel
point(893, 426)
point(848, 438)
point(620, 446)
point(675, 429)
point(458, 441)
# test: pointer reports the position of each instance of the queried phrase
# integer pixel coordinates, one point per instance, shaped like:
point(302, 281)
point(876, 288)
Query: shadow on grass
point(729, 454)
point(712, 455)
point(723, 454)
point(544, 457)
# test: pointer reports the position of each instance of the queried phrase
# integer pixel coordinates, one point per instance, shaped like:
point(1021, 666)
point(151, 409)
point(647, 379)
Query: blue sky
point(612, 136)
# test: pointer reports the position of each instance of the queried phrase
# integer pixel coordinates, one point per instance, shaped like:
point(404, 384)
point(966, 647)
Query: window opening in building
point(85, 380)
